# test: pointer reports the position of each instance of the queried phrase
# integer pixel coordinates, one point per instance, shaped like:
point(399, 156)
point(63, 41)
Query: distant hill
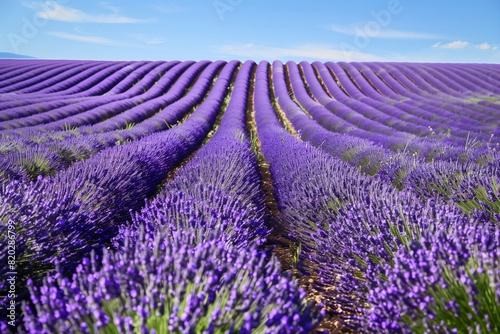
point(11, 55)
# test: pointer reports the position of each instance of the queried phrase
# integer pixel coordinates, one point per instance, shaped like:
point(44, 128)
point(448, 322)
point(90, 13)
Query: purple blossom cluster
point(91, 140)
point(474, 189)
point(358, 246)
point(142, 185)
point(217, 194)
point(208, 222)
point(448, 281)
point(165, 284)
point(64, 217)
point(352, 227)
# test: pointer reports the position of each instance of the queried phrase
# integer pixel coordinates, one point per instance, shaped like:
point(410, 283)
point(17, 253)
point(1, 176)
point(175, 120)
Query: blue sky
point(355, 30)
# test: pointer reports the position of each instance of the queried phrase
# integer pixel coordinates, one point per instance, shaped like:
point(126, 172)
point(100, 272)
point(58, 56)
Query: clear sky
point(337, 30)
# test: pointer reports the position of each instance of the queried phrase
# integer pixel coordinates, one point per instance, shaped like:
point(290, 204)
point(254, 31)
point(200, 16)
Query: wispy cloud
point(316, 52)
point(167, 8)
point(86, 39)
point(451, 45)
point(486, 46)
point(148, 40)
point(109, 6)
point(365, 30)
point(53, 11)
point(464, 44)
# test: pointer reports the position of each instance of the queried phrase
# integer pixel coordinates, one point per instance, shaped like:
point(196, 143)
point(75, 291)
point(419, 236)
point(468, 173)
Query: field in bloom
point(230, 197)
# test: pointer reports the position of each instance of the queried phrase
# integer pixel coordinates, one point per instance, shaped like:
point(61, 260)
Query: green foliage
point(39, 139)
point(159, 320)
point(448, 184)
point(168, 125)
point(69, 127)
point(295, 250)
point(239, 135)
point(484, 199)
point(127, 126)
point(473, 100)
point(70, 156)
point(37, 166)
point(349, 154)
point(9, 147)
point(254, 141)
point(453, 306)
point(335, 204)
point(369, 167)
point(477, 99)
point(408, 233)
point(472, 143)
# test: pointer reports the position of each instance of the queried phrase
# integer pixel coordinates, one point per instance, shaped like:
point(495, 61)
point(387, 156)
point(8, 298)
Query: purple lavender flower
point(446, 282)
point(172, 281)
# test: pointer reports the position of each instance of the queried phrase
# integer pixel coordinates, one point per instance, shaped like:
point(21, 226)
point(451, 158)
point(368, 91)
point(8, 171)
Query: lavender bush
point(165, 285)
point(446, 282)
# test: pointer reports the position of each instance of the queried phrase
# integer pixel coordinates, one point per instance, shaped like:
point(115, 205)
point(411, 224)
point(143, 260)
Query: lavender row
point(399, 119)
point(470, 187)
point(446, 106)
point(354, 229)
point(358, 152)
point(47, 158)
point(181, 82)
point(436, 99)
point(418, 77)
point(310, 186)
point(467, 100)
point(100, 108)
point(386, 76)
point(419, 113)
point(86, 85)
point(133, 73)
point(96, 80)
point(61, 219)
point(448, 281)
point(424, 149)
point(338, 116)
point(165, 284)
point(219, 186)
point(452, 83)
point(23, 78)
point(370, 158)
point(41, 107)
point(15, 68)
point(24, 160)
point(201, 228)
point(53, 81)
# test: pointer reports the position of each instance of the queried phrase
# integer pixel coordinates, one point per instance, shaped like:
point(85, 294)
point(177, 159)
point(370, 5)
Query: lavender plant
point(165, 285)
point(356, 247)
point(470, 187)
point(79, 209)
point(446, 282)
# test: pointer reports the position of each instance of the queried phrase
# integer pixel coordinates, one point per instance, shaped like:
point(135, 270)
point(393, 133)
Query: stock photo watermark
point(11, 275)
point(30, 26)
point(366, 31)
point(223, 6)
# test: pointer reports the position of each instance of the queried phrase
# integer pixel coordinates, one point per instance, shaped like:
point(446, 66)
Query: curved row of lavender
point(358, 234)
point(394, 198)
point(82, 206)
point(61, 148)
point(206, 235)
point(375, 155)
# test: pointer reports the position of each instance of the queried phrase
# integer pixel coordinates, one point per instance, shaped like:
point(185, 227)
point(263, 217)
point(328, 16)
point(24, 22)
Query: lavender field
point(230, 197)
